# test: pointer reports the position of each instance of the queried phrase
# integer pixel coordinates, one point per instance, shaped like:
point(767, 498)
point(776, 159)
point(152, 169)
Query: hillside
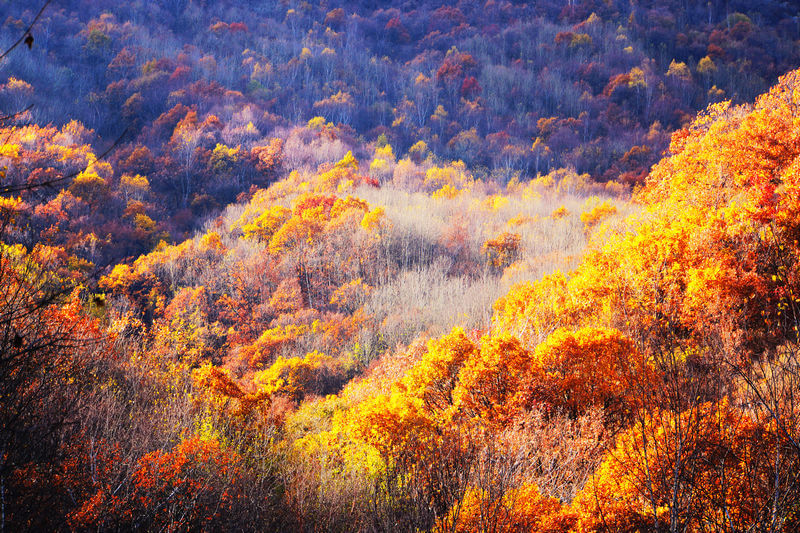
point(405, 267)
point(204, 99)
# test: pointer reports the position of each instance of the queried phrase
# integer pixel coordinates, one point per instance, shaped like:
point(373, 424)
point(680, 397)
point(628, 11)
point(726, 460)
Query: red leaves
point(194, 483)
point(470, 88)
point(320, 205)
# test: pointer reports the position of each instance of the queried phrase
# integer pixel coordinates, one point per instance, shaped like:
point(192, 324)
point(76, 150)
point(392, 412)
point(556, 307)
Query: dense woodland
point(417, 266)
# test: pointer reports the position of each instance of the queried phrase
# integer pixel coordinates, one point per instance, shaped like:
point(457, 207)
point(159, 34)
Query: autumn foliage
point(401, 268)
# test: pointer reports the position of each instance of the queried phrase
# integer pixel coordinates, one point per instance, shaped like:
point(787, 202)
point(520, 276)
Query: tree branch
point(26, 32)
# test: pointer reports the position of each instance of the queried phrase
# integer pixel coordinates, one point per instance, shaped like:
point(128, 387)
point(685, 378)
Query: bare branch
point(27, 31)
point(15, 114)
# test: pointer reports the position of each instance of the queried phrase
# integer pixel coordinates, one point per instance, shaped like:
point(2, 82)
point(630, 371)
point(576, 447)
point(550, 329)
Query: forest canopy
point(399, 267)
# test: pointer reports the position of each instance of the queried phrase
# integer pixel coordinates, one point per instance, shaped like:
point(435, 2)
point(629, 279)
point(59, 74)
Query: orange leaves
point(264, 350)
point(559, 213)
point(520, 510)
point(490, 385)
point(314, 207)
point(295, 233)
point(286, 298)
point(724, 209)
point(216, 381)
point(501, 251)
point(351, 295)
point(311, 214)
point(704, 468)
point(598, 213)
point(342, 206)
point(186, 487)
point(392, 424)
point(500, 380)
point(268, 158)
point(591, 367)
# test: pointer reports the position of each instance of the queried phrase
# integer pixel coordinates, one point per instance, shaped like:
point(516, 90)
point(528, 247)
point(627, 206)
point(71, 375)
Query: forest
point(400, 266)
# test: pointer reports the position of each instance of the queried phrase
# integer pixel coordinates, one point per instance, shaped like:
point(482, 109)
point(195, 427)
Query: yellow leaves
point(295, 232)
point(345, 186)
point(389, 423)
point(343, 205)
point(385, 152)
point(135, 186)
point(418, 151)
point(10, 151)
point(521, 220)
point(144, 222)
point(87, 185)
point(375, 220)
point(9, 206)
point(378, 166)
point(211, 242)
point(637, 78)
point(494, 203)
point(531, 311)
point(223, 158)
point(597, 214)
point(313, 216)
point(700, 283)
point(224, 152)
point(271, 340)
point(455, 175)
point(706, 66)
point(118, 278)
point(581, 40)
point(447, 192)
point(559, 213)
point(543, 182)
point(18, 86)
point(261, 72)
point(432, 379)
point(570, 182)
point(383, 162)
point(679, 70)
point(267, 223)
point(421, 79)
point(294, 377)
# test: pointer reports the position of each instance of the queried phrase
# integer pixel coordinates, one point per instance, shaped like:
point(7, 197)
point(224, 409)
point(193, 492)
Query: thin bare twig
point(15, 114)
point(26, 32)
